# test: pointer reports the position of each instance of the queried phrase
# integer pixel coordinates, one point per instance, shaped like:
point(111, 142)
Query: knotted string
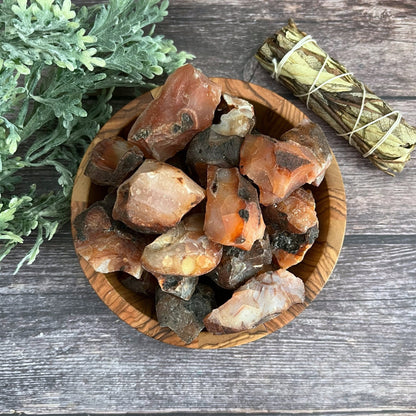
point(277, 69)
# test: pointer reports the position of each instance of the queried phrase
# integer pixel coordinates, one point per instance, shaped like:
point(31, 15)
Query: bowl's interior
point(274, 115)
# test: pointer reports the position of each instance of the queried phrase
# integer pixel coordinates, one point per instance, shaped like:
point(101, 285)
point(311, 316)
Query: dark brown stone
point(237, 266)
point(211, 148)
point(112, 160)
point(146, 285)
point(183, 317)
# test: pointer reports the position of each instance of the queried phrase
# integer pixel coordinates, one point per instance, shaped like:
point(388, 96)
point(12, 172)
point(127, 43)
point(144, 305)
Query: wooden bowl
point(274, 116)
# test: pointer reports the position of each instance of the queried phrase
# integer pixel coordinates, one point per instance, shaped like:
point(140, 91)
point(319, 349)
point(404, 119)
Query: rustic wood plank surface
point(352, 352)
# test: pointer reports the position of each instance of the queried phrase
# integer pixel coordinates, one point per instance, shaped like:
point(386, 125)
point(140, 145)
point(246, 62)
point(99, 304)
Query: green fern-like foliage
point(59, 66)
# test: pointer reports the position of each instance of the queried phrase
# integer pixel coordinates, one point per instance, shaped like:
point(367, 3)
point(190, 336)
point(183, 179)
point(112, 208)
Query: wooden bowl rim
point(108, 289)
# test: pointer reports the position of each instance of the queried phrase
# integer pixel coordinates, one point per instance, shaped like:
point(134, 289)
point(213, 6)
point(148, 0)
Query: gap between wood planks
point(378, 239)
point(394, 411)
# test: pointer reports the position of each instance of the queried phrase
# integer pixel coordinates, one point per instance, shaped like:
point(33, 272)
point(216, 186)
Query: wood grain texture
point(274, 115)
point(64, 351)
point(351, 352)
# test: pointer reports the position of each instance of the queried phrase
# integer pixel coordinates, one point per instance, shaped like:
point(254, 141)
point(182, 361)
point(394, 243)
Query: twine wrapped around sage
point(334, 94)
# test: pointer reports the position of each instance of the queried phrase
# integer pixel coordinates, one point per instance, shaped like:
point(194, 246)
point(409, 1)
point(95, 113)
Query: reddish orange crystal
point(285, 259)
point(185, 106)
point(233, 216)
point(106, 244)
point(311, 135)
point(156, 197)
point(276, 167)
point(293, 227)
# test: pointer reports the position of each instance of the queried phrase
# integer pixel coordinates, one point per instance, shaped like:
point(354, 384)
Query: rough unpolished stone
point(156, 197)
point(184, 107)
point(182, 252)
point(236, 117)
point(309, 134)
point(211, 148)
point(233, 215)
point(106, 244)
point(277, 167)
point(262, 298)
point(237, 266)
point(185, 318)
point(180, 286)
point(112, 160)
point(293, 227)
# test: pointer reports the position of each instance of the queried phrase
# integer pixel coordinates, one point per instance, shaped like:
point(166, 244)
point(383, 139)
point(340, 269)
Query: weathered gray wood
point(372, 38)
point(352, 352)
point(67, 352)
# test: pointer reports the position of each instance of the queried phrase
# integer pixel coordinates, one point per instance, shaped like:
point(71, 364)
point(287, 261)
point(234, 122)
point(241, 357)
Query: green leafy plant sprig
point(59, 66)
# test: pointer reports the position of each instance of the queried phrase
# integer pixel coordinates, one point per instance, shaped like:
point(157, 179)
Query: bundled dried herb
point(333, 93)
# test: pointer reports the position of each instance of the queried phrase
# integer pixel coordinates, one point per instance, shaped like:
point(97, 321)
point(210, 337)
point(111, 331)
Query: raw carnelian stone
point(183, 251)
point(293, 227)
point(277, 167)
point(309, 134)
point(108, 245)
point(233, 215)
point(260, 299)
point(156, 197)
point(185, 106)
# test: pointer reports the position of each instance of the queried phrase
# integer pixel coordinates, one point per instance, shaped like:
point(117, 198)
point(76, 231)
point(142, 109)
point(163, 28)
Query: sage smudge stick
point(334, 94)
